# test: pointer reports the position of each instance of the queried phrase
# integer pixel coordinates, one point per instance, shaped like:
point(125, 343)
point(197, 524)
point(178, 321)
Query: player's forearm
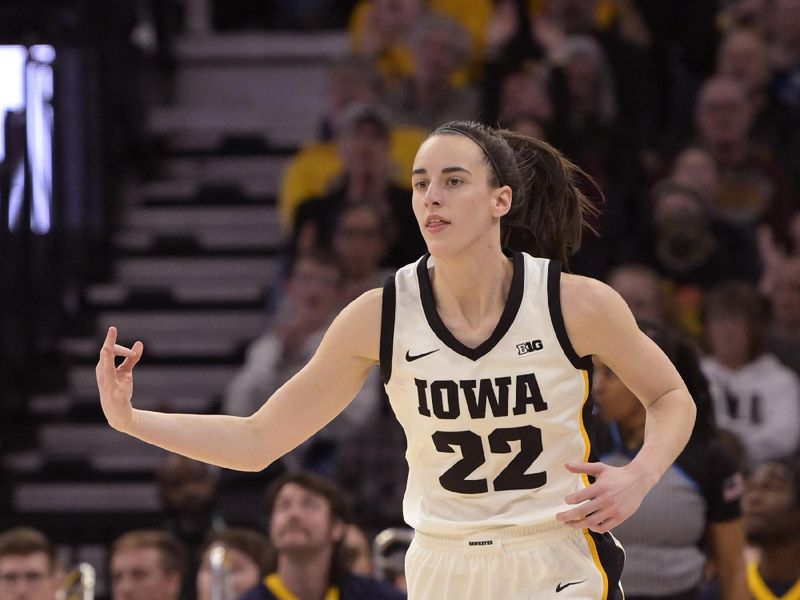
point(668, 427)
point(222, 440)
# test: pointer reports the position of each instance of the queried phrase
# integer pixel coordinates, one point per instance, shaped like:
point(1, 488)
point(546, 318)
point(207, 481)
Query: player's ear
point(501, 201)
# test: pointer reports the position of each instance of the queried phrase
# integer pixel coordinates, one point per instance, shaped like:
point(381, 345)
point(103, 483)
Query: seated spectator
point(372, 470)
point(695, 502)
point(782, 23)
point(783, 335)
point(357, 550)
point(682, 242)
point(643, 292)
point(755, 396)
point(523, 95)
point(587, 128)
point(351, 80)
point(586, 123)
point(188, 493)
point(309, 296)
point(318, 167)
point(366, 178)
point(754, 187)
point(380, 30)
point(390, 547)
point(694, 166)
point(245, 555)
point(147, 564)
point(307, 517)
point(742, 55)
point(772, 517)
point(360, 239)
point(27, 565)
point(429, 96)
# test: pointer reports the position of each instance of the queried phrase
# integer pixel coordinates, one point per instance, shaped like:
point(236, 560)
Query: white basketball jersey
point(489, 429)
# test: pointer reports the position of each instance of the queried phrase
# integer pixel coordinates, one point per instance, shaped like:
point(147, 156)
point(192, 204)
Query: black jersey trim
point(513, 302)
point(557, 317)
point(611, 559)
point(387, 328)
point(587, 416)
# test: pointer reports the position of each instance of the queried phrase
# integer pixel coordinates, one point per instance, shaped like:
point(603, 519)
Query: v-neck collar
point(510, 310)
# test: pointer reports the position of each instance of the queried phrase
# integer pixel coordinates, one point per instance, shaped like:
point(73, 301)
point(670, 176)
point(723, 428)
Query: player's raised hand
point(116, 383)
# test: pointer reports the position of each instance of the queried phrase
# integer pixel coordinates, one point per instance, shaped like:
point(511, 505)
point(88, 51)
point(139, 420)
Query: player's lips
point(435, 223)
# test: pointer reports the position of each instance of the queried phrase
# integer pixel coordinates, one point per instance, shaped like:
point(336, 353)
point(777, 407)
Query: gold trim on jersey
point(760, 590)
point(586, 442)
point(275, 585)
point(596, 559)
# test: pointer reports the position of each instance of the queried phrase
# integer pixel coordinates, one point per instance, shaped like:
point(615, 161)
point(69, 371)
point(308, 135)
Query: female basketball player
point(486, 355)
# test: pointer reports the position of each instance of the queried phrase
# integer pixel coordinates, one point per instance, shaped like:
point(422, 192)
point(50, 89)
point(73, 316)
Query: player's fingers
point(105, 364)
point(123, 351)
point(580, 496)
point(132, 358)
point(578, 513)
point(594, 521)
point(602, 523)
point(593, 469)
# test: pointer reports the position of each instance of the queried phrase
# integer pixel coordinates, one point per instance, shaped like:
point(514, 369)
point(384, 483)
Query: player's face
point(27, 577)
point(302, 522)
point(612, 397)
point(455, 206)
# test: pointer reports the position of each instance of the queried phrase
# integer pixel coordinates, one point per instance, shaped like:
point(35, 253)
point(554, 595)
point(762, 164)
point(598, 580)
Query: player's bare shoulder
point(593, 313)
point(357, 329)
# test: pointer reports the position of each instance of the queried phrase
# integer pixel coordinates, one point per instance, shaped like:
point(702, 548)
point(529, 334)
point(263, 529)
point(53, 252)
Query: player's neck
point(474, 288)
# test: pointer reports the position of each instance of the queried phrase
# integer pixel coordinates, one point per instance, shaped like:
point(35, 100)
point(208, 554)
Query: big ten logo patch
point(528, 347)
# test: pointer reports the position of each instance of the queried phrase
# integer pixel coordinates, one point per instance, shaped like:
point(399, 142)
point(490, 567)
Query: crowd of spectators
point(687, 118)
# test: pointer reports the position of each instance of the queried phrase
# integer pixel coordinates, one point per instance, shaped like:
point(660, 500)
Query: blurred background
point(218, 177)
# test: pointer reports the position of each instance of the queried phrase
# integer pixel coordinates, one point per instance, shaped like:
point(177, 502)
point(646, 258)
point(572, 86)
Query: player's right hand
point(116, 383)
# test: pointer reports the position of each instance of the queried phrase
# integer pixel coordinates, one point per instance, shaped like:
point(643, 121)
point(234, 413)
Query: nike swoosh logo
point(410, 358)
point(563, 586)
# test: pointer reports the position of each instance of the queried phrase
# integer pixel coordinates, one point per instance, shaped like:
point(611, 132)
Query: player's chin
point(441, 248)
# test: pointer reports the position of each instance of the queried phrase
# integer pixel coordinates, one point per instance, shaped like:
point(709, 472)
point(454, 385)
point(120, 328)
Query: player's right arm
point(300, 408)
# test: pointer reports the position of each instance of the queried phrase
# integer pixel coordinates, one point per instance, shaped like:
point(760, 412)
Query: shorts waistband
point(508, 538)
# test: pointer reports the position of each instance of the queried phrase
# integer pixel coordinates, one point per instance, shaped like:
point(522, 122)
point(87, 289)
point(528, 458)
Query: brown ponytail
point(548, 210)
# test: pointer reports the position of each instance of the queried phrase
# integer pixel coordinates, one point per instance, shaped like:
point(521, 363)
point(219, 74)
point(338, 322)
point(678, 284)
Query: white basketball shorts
point(543, 562)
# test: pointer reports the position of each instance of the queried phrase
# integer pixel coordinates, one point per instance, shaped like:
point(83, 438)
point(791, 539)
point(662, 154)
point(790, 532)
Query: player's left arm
point(599, 323)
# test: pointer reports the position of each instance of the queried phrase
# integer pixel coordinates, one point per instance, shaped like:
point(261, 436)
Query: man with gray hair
point(440, 48)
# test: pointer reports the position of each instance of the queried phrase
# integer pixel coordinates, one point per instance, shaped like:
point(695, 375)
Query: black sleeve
point(727, 486)
point(387, 328)
point(719, 480)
